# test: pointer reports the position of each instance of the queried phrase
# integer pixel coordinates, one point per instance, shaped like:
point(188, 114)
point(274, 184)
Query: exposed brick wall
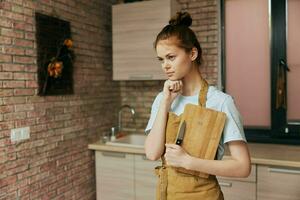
point(140, 94)
point(55, 162)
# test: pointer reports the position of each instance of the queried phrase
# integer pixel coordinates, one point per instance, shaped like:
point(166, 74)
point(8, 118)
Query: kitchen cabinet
point(114, 176)
point(134, 29)
point(145, 178)
point(239, 188)
point(125, 173)
point(125, 176)
point(278, 183)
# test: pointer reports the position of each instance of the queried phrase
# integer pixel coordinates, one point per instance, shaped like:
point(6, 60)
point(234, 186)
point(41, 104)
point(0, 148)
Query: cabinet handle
point(225, 184)
point(144, 157)
point(114, 154)
point(140, 77)
point(281, 170)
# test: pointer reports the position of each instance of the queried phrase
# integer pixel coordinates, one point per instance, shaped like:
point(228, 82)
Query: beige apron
point(173, 184)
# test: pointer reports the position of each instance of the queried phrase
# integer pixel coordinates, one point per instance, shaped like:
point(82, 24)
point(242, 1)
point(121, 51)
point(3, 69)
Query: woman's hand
point(176, 156)
point(171, 90)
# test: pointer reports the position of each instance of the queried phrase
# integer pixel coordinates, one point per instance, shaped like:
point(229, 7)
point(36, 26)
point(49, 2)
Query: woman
point(181, 57)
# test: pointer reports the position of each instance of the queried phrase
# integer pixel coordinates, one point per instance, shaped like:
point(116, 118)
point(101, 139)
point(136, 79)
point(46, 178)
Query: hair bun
point(181, 18)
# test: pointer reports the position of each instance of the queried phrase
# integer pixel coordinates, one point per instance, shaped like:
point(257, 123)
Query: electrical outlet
point(18, 134)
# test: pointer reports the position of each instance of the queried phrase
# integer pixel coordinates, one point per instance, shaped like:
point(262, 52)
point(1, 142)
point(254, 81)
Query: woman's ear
point(194, 53)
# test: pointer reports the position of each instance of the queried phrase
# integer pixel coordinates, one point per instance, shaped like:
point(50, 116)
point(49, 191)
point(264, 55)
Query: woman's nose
point(166, 65)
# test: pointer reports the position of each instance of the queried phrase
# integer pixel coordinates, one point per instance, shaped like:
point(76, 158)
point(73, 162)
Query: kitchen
point(48, 134)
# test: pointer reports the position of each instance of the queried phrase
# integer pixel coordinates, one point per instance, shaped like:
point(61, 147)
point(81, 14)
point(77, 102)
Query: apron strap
point(203, 93)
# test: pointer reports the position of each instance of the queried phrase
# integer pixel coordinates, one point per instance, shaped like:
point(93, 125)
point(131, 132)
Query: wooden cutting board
point(203, 133)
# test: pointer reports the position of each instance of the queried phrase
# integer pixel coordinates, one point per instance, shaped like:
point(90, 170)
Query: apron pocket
point(186, 183)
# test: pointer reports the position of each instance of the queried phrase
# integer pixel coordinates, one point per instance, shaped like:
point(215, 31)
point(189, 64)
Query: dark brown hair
point(178, 28)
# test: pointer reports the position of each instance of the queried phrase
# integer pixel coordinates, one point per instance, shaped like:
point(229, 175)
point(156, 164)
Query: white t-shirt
point(216, 100)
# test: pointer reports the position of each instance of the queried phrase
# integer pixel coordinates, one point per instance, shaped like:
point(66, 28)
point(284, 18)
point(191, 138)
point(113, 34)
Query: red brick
point(23, 43)
point(28, 12)
point(31, 68)
point(29, 36)
point(6, 109)
point(14, 100)
point(36, 100)
point(36, 113)
point(38, 177)
point(17, 9)
point(14, 116)
point(30, 52)
point(8, 180)
point(64, 188)
point(29, 4)
point(5, 40)
point(12, 33)
point(48, 166)
point(10, 67)
point(6, 75)
point(24, 59)
point(24, 107)
point(54, 139)
point(24, 153)
point(6, 92)
point(22, 92)
point(49, 196)
point(11, 195)
point(7, 23)
point(5, 58)
point(28, 19)
point(24, 76)
point(55, 125)
point(30, 172)
point(24, 122)
point(18, 169)
point(5, 5)
point(55, 111)
point(18, 2)
point(24, 190)
point(59, 183)
point(18, 25)
point(31, 84)
point(13, 84)
point(13, 15)
point(13, 50)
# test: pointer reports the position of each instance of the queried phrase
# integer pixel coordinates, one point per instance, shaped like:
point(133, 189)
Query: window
point(258, 38)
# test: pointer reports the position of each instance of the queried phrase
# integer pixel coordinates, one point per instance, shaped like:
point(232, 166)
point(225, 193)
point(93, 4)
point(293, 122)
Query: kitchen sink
point(131, 140)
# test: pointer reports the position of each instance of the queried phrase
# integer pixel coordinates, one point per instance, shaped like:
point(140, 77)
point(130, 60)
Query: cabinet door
point(276, 183)
point(114, 176)
point(145, 178)
point(239, 188)
point(134, 28)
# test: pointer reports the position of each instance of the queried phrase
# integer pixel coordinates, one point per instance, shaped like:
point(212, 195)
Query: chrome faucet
point(120, 112)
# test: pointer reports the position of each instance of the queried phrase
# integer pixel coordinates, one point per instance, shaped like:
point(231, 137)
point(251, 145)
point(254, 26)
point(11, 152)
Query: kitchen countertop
point(264, 154)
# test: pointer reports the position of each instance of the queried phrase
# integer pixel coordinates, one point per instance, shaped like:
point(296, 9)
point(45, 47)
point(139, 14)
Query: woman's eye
point(160, 59)
point(171, 58)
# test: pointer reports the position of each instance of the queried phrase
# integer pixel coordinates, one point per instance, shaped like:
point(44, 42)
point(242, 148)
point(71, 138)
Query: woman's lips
point(170, 73)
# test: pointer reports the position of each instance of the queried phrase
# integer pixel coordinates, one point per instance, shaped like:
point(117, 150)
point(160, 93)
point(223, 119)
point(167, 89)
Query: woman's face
point(175, 61)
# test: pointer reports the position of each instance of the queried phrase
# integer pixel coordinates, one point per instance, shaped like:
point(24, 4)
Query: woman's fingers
point(175, 86)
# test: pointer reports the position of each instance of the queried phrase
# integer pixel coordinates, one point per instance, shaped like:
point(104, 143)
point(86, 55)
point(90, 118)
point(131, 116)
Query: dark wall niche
point(54, 55)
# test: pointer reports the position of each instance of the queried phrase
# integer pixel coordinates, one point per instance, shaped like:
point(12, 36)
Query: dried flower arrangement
point(56, 65)
point(55, 55)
